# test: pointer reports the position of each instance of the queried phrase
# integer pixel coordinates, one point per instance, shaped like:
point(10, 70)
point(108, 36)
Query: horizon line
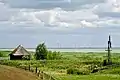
point(70, 48)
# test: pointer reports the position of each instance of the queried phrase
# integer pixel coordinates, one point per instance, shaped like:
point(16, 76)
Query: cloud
point(91, 18)
point(101, 13)
point(108, 7)
point(3, 12)
point(49, 4)
point(49, 18)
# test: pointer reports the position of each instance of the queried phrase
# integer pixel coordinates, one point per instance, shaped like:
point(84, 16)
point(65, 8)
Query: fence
point(41, 74)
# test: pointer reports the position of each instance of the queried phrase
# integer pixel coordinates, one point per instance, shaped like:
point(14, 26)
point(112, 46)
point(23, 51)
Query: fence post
point(36, 70)
point(38, 73)
point(29, 67)
point(41, 76)
point(25, 67)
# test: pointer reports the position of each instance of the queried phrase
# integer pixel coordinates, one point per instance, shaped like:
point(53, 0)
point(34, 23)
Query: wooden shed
point(19, 53)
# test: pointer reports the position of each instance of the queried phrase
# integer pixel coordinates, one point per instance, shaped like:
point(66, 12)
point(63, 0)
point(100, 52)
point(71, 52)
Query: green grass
point(74, 60)
point(89, 77)
point(4, 53)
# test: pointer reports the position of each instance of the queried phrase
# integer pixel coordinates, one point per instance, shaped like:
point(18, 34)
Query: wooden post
point(29, 67)
point(36, 70)
point(25, 68)
point(104, 63)
point(38, 73)
point(41, 76)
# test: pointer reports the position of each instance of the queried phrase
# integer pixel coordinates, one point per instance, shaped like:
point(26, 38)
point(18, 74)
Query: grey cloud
point(49, 4)
point(109, 14)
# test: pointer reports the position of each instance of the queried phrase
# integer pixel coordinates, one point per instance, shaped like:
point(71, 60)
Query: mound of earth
point(11, 73)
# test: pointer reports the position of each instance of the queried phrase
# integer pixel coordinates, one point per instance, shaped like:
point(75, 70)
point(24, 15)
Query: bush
point(1, 54)
point(53, 55)
point(77, 71)
point(26, 57)
point(70, 71)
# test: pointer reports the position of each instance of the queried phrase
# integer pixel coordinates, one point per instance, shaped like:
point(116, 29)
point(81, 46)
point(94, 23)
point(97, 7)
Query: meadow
point(74, 66)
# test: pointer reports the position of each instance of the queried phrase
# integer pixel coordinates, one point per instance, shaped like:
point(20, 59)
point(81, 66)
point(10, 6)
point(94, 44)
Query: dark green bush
point(70, 71)
point(1, 54)
point(77, 71)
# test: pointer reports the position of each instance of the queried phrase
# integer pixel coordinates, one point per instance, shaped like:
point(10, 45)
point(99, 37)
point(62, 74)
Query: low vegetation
point(74, 66)
point(4, 53)
point(71, 65)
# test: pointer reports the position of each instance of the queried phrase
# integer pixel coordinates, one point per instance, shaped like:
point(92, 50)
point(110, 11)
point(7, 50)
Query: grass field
point(83, 62)
point(11, 73)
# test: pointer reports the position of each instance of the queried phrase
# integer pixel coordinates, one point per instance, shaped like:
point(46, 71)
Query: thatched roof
point(20, 50)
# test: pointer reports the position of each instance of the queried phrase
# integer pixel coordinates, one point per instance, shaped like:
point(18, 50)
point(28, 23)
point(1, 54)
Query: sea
point(115, 50)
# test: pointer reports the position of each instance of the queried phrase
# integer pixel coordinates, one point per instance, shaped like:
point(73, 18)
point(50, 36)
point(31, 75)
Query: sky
point(59, 23)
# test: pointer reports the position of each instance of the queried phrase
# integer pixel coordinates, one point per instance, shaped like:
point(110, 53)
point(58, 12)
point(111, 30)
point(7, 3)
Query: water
point(85, 50)
point(71, 50)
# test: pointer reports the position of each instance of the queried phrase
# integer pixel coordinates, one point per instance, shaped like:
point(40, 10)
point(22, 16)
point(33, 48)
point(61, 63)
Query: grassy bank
point(11, 73)
point(80, 63)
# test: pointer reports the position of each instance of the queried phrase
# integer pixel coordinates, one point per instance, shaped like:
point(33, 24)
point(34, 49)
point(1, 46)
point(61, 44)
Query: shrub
point(26, 57)
point(70, 71)
point(1, 54)
point(53, 55)
point(77, 71)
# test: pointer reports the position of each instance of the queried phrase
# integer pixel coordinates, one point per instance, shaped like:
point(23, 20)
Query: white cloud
point(81, 17)
point(54, 17)
point(48, 4)
point(58, 18)
point(108, 6)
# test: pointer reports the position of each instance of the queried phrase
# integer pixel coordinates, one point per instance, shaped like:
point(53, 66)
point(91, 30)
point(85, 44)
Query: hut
point(19, 53)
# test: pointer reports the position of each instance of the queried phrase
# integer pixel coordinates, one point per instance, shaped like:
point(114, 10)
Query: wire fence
point(41, 74)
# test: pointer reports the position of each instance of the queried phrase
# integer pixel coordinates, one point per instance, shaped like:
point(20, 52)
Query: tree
point(41, 52)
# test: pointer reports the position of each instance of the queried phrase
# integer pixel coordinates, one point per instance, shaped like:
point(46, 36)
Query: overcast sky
point(59, 22)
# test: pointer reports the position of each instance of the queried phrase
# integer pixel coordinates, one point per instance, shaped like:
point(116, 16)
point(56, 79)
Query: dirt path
point(11, 73)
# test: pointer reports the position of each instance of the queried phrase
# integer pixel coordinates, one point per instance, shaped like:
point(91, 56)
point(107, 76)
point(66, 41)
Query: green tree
point(41, 52)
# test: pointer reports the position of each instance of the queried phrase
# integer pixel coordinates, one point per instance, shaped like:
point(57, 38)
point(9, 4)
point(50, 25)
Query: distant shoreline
point(72, 48)
point(114, 50)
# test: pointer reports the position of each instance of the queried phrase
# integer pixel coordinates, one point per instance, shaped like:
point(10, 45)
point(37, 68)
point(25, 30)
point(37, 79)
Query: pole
point(109, 50)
